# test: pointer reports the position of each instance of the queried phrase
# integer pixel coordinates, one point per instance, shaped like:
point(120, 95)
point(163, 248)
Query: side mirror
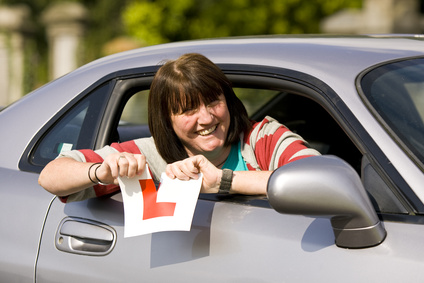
point(327, 186)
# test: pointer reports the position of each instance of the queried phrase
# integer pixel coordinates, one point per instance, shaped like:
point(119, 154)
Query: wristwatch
point(226, 180)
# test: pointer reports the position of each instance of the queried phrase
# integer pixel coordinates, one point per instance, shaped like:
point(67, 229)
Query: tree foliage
point(162, 21)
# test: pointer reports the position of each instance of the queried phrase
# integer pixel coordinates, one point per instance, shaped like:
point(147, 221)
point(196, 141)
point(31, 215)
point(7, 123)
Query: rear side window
point(74, 130)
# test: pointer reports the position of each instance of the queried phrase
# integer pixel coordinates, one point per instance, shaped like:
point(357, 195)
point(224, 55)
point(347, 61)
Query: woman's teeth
point(207, 132)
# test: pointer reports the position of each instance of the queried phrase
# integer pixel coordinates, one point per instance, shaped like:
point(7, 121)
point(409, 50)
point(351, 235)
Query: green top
point(235, 161)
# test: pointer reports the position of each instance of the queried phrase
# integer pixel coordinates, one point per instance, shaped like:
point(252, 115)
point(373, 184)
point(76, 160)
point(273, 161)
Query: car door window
point(133, 122)
point(253, 98)
point(300, 114)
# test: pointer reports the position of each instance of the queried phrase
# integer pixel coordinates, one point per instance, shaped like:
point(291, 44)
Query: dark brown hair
point(184, 84)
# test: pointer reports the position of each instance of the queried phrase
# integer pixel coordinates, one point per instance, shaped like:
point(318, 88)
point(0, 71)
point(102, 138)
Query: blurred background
point(41, 40)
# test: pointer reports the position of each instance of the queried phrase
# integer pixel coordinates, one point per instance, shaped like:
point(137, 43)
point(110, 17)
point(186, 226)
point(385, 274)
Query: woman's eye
point(188, 111)
point(214, 103)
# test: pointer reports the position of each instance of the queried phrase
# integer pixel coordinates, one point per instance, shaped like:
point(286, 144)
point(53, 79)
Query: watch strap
point(226, 180)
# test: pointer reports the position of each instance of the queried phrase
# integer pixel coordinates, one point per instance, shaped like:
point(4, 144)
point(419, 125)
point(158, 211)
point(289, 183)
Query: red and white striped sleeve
point(273, 145)
point(88, 155)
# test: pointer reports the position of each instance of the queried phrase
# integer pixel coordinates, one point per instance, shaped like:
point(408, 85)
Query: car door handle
point(86, 237)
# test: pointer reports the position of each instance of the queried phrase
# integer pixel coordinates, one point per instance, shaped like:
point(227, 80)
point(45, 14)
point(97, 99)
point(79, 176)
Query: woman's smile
point(207, 131)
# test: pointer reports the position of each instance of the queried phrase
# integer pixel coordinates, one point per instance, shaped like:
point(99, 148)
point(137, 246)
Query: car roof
point(328, 58)
point(313, 52)
point(337, 59)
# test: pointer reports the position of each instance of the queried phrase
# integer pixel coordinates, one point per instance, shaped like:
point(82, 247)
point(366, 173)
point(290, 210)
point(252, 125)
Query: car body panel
point(23, 208)
point(215, 248)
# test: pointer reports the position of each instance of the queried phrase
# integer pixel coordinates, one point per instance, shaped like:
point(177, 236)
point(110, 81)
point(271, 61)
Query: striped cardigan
point(267, 146)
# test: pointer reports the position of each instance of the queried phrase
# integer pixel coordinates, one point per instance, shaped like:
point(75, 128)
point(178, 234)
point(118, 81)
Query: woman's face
point(203, 130)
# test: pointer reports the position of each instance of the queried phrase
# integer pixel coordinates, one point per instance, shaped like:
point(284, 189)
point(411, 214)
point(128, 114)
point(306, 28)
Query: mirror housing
point(327, 186)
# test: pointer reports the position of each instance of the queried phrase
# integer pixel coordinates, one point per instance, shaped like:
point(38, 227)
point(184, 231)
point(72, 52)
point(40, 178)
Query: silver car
point(354, 214)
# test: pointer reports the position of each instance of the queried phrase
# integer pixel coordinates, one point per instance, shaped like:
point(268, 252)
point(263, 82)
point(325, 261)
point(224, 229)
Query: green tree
point(162, 21)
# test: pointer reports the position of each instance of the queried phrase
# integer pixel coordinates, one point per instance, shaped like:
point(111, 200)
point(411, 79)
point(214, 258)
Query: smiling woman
point(193, 91)
point(198, 125)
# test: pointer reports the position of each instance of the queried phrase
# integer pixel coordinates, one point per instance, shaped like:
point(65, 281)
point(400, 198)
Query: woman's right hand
point(65, 176)
point(120, 164)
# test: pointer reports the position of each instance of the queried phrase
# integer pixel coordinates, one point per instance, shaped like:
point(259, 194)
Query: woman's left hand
point(189, 168)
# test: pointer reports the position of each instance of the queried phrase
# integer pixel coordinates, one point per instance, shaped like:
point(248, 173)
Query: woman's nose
point(204, 115)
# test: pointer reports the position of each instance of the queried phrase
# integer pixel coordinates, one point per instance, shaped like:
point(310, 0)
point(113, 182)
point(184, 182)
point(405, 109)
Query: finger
point(112, 163)
point(132, 165)
point(177, 171)
point(189, 169)
point(123, 165)
point(180, 174)
point(169, 172)
point(136, 164)
point(199, 161)
point(141, 163)
point(184, 170)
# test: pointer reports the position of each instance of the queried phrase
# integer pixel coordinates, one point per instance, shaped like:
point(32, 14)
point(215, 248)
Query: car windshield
point(396, 93)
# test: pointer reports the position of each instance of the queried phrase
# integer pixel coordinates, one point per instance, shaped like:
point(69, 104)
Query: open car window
point(300, 114)
point(133, 121)
point(297, 112)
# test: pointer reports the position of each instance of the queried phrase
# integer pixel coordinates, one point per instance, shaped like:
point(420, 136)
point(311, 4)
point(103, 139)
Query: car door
point(232, 238)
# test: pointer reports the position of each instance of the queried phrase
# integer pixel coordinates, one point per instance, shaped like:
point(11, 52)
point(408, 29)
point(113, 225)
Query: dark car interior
point(305, 117)
point(300, 114)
